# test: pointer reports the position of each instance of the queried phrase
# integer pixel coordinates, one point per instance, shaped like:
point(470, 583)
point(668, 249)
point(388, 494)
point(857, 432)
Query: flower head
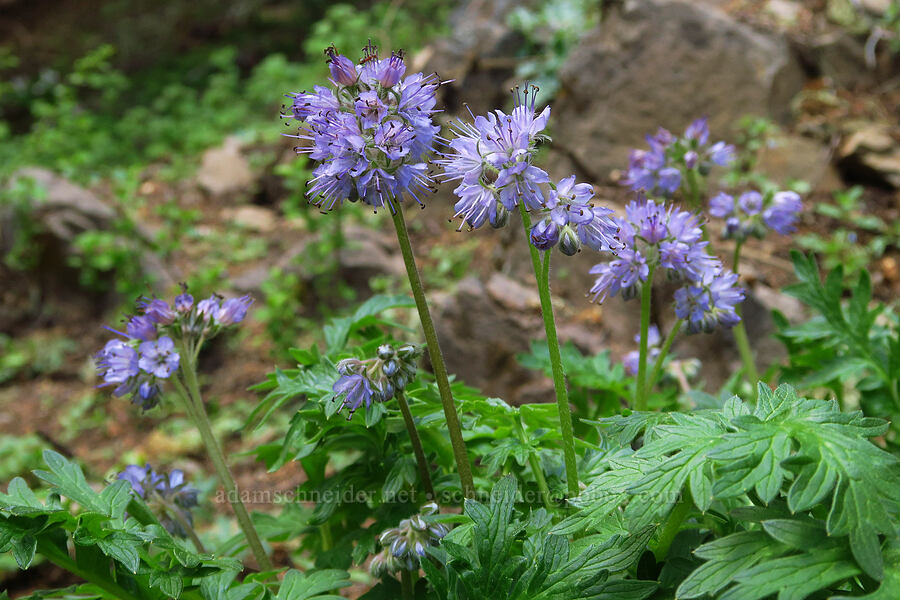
point(754, 212)
point(405, 545)
point(159, 358)
point(710, 301)
point(233, 310)
point(371, 133)
point(165, 493)
point(375, 379)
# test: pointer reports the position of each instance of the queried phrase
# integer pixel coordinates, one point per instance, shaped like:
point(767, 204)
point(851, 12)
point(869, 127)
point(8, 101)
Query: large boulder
point(654, 63)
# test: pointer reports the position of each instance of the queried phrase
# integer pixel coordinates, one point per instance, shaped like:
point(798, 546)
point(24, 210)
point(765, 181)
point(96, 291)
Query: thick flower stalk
point(656, 238)
point(492, 162)
point(672, 161)
point(372, 134)
point(160, 345)
point(169, 495)
point(380, 379)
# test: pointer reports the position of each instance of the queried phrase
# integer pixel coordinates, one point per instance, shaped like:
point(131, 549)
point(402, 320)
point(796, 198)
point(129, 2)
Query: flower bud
point(385, 352)
point(690, 159)
point(500, 217)
point(544, 234)
point(390, 368)
point(343, 71)
point(569, 244)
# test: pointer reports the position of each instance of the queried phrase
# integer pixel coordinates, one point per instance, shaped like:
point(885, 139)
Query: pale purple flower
point(356, 390)
point(633, 358)
point(783, 212)
point(751, 202)
point(117, 363)
point(184, 302)
point(544, 234)
point(372, 138)
point(233, 310)
point(163, 493)
point(698, 131)
point(158, 311)
point(159, 358)
point(208, 308)
point(141, 327)
point(721, 205)
point(721, 154)
point(710, 302)
point(342, 69)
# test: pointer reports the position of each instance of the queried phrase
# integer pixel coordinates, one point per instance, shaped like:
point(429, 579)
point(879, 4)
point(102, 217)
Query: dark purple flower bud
point(732, 227)
point(343, 71)
point(141, 327)
point(544, 234)
point(499, 217)
point(147, 395)
point(691, 159)
point(233, 310)
point(569, 244)
point(159, 311)
point(159, 358)
point(184, 303)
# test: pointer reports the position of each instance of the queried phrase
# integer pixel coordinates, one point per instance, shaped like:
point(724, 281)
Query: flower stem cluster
point(753, 213)
point(371, 132)
point(145, 355)
point(492, 160)
point(166, 494)
point(672, 160)
point(404, 546)
point(656, 237)
point(376, 379)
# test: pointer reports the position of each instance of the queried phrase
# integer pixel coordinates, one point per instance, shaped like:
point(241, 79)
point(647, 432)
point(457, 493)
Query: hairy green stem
point(664, 351)
point(640, 401)
point(434, 352)
point(740, 336)
point(542, 276)
point(194, 403)
point(421, 461)
point(535, 462)
point(406, 585)
point(183, 522)
point(62, 560)
point(673, 525)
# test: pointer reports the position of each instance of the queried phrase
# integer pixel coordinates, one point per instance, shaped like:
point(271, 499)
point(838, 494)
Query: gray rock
point(799, 158)
point(839, 56)
point(255, 218)
point(224, 170)
point(64, 209)
point(872, 153)
point(666, 57)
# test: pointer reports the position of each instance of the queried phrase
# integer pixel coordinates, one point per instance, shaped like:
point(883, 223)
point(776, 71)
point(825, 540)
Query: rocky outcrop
point(654, 63)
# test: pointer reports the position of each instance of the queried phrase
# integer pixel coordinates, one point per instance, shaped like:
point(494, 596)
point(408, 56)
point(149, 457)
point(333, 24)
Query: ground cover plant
point(623, 482)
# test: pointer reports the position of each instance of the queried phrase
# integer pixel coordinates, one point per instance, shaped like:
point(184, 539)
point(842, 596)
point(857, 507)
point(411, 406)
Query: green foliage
point(32, 356)
point(551, 30)
point(121, 549)
point(843, 342)
point(859, 237)
point(497, 555)
point(789, 494)
point(596, 384)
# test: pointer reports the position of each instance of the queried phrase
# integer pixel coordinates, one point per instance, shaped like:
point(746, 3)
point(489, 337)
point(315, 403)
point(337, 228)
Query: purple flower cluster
point(376, 379)
point(405, 545)
point(710, 301)
point(659, 170)
point(655, 237)
point(146, 353)
point(492, 160)
point(632, 359)
point(166, 493)
point(371, 132)
point(753, 212)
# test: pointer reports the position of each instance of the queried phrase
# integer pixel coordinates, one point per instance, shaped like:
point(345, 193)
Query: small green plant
point(32, 356)
point(860, 237)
